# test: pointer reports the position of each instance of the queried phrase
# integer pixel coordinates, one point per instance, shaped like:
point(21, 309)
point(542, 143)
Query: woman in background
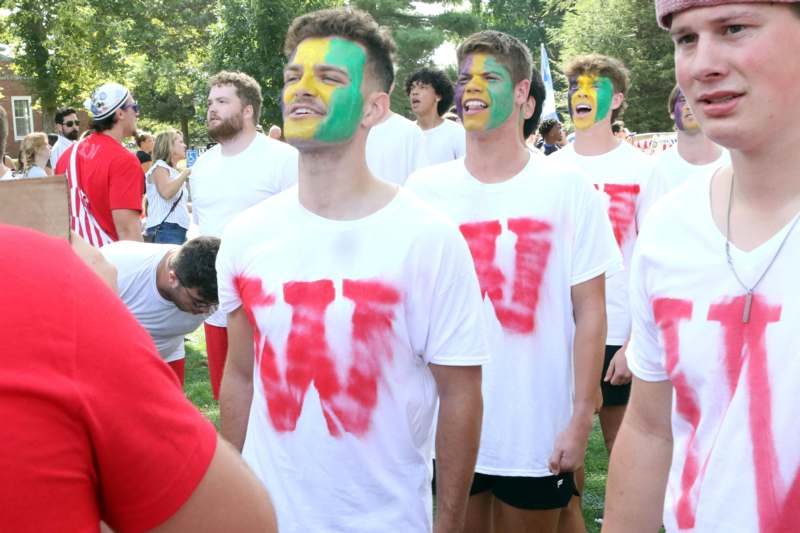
point(35, 155)
point(165, 189)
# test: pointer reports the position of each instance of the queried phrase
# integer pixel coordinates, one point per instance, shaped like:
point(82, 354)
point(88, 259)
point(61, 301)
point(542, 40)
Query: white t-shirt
point(395, 149)
point(136, 265)
point(158, 207)
point(224, 186)
point(622, 175)
point(35, 172)
point(445, 142)
point(59, 148)
point(347, 316)
point(736, 446)
point(532, 238)
point(670, 171)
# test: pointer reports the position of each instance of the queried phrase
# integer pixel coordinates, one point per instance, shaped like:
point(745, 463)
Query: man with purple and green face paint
point(693, 157)
point(541, 244)
point(352, 306)
point(484, 94)
point(596, 98)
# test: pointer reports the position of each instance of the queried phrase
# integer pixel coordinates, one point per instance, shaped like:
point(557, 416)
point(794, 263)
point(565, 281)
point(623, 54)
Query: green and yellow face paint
point(590, 97)
point(314, 77)
point(484, 93)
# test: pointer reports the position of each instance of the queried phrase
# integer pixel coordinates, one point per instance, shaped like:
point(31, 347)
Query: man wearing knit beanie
point(106, 181)
point(710, 436)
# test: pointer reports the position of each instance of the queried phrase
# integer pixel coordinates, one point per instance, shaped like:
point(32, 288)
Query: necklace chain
point(749, 290)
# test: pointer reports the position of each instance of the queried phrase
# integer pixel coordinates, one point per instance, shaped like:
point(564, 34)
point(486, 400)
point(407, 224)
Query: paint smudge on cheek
point(461, 85)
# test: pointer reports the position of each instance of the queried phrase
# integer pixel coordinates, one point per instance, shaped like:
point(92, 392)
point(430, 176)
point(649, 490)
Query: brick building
point(20, 105)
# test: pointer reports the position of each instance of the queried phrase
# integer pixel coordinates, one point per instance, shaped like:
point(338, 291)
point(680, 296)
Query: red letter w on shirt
point(531, 252)
point(347, 403)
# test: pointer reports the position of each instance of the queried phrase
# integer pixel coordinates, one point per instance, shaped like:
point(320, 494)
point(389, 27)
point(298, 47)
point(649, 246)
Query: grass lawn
point(198, 389)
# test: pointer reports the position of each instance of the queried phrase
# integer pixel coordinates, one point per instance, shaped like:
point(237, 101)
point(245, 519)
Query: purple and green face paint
point(683, 115)
point(484, 93)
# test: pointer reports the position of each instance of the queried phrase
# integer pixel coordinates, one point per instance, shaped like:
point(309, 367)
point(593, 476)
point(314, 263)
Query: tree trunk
point(185, 131)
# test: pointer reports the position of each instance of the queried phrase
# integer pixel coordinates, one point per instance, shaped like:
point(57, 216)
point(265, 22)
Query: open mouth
point(583, 109)
point(304, 111)
point(414, 101)
point(475, 106)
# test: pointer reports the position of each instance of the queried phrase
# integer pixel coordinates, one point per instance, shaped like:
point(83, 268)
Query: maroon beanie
point(666, 8)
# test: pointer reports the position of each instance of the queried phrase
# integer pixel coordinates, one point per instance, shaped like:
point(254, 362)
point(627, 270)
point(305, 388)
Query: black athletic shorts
point(530, 493)
point(613, 394)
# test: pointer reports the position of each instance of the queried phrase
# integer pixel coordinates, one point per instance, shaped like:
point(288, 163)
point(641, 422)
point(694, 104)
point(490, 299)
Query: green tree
point(627, 30)
point(249, 38)
point(169, 47)
point(64, 47)
point(417, 37)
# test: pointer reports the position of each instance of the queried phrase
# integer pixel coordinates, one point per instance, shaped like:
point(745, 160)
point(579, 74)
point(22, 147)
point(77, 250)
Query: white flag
point(549, 110)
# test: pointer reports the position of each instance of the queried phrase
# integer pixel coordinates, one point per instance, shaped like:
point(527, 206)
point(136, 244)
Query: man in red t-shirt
point(84, 441)
point(106, 179)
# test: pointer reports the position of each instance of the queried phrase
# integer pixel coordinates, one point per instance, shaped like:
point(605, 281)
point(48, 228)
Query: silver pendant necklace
point(748, 300)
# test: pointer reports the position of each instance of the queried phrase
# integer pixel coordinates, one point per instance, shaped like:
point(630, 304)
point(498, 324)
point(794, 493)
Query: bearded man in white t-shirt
point(597, 87)
point(692, 157)
point(242, 169)
point(710, 437)
point(169, 289)
point(351, 306)
point(541, 244)
point(431, 95)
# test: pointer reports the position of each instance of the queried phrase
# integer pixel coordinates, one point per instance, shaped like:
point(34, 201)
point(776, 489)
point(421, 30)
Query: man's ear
point(172, 278)
point(617, 100)
point(247, 112)
point(529, 107)
point(521, 91)
point(376, 107)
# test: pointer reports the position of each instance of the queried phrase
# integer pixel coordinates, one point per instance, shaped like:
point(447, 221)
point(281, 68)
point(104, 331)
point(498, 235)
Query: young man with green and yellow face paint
point(525, 218)
point(596, 98)
point(332, 68)
point(590, 99)
point(485, 93)
point(357, 329)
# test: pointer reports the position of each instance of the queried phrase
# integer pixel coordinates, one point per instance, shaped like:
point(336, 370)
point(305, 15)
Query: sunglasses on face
point(70, 123)
point(134, 106)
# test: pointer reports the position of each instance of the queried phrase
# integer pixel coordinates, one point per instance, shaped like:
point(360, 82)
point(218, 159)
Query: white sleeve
point(646, 356)
point(227, 270)
point(595, 250)
point(446, 316)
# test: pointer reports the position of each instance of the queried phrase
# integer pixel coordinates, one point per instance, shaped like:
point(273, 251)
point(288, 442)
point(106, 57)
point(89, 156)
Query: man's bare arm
point(229, 498)
point(637, 475)
point(457, 438)
point(129, 228)
point(589, 308)
point(236, 391)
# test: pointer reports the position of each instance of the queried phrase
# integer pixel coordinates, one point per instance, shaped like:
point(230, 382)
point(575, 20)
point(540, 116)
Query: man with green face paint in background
point(597, 87)
point(541, 244)
point(352, 305)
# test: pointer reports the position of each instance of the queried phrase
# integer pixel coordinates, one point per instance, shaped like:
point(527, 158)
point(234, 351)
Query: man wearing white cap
point(106, 180)
point(714, 295)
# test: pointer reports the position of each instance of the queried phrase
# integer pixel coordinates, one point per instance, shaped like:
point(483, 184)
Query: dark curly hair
point(64, 112)
point(546, 126)
point(537, 92)
point(437, 79)
point(194, 266)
